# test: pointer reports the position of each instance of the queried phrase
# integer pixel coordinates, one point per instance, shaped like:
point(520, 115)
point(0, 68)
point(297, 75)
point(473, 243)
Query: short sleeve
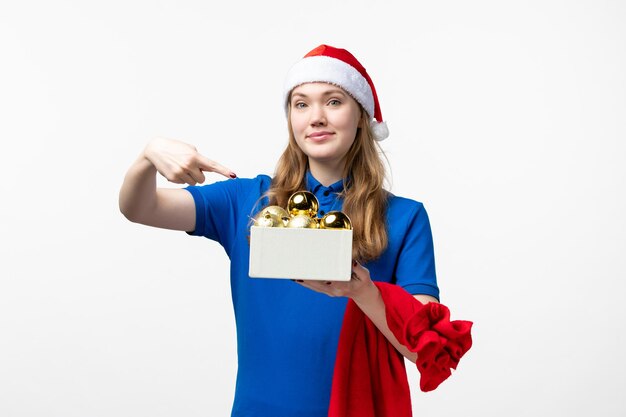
point(415, 269)
point(216, 210)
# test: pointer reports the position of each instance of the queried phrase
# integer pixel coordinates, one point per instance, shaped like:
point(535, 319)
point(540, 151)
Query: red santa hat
point(339, 67)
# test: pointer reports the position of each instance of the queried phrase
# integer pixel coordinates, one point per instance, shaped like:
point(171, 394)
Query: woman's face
point(324, 119)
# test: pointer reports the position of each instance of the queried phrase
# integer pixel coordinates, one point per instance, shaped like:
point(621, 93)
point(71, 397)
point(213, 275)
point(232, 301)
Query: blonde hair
point(365, 199)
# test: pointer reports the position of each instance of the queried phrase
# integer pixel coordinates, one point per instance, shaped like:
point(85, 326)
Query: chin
point(322, 156)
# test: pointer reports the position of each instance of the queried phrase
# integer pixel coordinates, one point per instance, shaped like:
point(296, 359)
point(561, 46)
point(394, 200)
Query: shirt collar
point(314, 185)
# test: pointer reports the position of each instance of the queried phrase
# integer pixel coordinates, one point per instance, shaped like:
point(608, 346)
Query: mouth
point(318, 136)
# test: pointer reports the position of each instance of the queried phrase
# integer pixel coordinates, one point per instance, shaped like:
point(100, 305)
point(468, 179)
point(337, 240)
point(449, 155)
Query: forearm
point(138, 192)
point(371, 303)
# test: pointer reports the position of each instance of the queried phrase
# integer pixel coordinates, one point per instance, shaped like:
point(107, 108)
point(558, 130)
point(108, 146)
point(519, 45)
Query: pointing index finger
point(206, 164)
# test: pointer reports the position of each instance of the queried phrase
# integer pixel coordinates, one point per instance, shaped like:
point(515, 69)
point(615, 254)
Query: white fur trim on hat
point(330, 70)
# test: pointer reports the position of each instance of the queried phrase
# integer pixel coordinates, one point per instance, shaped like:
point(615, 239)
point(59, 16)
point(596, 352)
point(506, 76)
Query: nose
point(318, 116)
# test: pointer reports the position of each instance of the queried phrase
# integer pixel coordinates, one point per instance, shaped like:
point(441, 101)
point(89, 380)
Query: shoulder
point(231, 191)
point(405, 215)
point(260, 179)
point(261, 182)
point(397, 204)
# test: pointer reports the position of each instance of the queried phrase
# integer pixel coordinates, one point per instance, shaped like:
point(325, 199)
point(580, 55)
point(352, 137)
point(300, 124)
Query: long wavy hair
point(365, 199)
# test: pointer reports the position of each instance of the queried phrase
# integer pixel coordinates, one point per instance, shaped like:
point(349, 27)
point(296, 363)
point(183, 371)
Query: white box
point(318, 254)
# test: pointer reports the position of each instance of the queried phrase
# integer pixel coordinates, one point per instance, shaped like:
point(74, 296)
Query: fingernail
point(299, 280)
point(353, 263)
point(327, 282)
point(233, 175)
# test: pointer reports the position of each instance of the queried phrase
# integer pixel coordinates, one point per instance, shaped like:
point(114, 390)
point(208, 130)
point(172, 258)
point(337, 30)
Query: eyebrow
point(325, 93)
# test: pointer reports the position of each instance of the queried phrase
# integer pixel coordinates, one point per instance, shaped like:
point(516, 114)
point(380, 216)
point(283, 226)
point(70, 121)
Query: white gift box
point(294, 253)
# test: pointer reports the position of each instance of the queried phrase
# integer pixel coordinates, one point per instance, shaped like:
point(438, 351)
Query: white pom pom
point(380, 130)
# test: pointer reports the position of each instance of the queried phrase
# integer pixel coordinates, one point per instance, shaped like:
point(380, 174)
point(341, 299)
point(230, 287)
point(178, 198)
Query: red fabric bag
point(370, 378)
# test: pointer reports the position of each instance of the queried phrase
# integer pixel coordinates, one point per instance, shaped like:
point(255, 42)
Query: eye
point(299, 105)
point(334, 102)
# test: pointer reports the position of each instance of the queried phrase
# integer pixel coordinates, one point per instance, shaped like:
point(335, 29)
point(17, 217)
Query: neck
point(326, 174)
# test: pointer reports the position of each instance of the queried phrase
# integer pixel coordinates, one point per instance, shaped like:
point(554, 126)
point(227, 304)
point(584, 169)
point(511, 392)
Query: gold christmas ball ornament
point(335, 220)
point(277, 211)
point(302, 221)
point(267, 219)
point(303, 202)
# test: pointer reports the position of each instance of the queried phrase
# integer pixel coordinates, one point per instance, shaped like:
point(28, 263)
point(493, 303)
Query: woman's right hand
point(180, 162)
point(141, 201)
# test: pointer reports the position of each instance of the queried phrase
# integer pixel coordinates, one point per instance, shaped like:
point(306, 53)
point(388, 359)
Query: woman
point(287, 332)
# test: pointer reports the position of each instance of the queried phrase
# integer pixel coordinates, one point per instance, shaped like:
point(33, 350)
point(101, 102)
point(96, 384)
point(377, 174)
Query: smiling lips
point(320, 135)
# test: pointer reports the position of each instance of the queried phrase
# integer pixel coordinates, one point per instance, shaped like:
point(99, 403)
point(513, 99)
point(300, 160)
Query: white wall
point(507, 120)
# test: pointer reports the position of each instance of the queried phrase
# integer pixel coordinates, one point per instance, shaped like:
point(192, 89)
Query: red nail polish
point(233, 175)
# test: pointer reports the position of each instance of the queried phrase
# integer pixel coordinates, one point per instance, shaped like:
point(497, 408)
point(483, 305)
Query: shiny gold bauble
point(277, 211)
point(267, 219)
point(303, 202)
point(302, 221)
point(335, 220)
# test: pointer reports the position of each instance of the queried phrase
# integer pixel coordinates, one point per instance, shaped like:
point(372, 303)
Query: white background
point(507, 120)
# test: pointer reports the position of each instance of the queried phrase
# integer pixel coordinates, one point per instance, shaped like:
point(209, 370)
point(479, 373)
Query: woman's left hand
point(359, 287)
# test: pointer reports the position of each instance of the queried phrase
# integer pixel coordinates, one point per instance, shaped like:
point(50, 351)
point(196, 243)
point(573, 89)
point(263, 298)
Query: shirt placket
point(326, 199)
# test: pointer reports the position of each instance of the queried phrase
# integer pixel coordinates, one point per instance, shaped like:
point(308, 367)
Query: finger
point(176, 179)
point(197, 175)
point(188, 179)
point(358, 270)
point(206, 164)
point(317, 286)
point(308, 284)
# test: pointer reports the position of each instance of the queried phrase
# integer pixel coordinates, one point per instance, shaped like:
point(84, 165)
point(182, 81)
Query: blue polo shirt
point(287, 335)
